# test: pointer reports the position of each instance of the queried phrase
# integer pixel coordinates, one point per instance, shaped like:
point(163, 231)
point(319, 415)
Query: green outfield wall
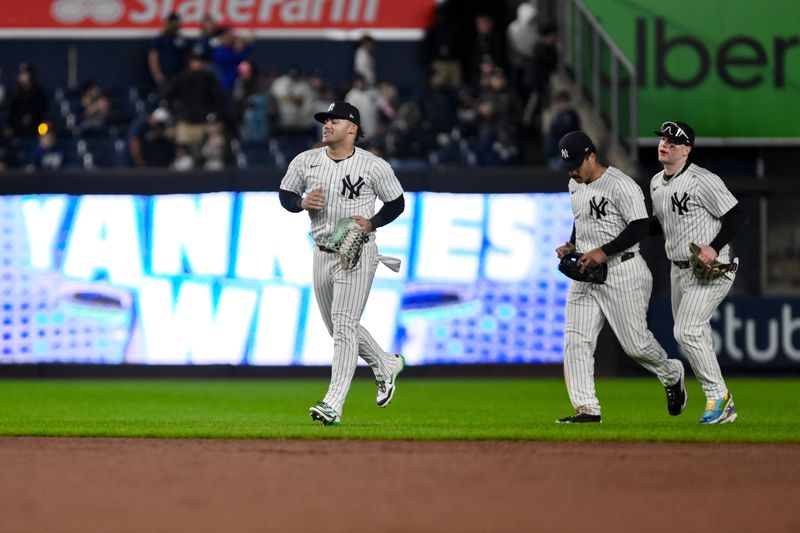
point(729, 68)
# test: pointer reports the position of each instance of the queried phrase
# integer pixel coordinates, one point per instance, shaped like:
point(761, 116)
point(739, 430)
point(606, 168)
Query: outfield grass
point(633, 410)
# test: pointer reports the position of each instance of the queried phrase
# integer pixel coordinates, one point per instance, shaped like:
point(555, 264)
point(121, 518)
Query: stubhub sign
point(748, 331)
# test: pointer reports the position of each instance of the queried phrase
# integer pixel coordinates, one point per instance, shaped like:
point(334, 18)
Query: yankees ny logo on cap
point(343, 110)
point(574, 148)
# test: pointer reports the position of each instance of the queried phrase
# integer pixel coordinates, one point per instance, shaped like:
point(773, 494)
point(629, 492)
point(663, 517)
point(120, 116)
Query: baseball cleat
point(386, 388)
point(325, 414)
point(579, 418)
point(719, 411)
point(676, 395)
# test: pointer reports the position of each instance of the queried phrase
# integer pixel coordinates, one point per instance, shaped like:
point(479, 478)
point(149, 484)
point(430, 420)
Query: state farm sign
point(119, 18)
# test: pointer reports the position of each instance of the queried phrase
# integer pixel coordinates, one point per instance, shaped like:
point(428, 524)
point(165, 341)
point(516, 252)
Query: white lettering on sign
point(244, 12)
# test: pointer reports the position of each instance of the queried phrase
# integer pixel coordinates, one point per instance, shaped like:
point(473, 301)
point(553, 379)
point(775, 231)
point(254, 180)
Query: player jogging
point(693, 205)
point(335, 181)
point(610, 220)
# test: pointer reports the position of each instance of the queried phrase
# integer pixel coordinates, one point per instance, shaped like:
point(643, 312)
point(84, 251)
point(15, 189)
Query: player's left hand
point(364, 223)
point(592, 258)
point(707, 253)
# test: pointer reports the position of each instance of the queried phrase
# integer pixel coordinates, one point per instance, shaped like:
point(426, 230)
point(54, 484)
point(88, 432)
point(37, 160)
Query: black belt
point(628, 255)
point(323, 249)
point(686, 264)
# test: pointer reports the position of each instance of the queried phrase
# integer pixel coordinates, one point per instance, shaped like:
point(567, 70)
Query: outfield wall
point(208, 269)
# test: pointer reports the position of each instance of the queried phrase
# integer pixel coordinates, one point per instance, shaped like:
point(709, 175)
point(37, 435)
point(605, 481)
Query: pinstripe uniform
point(689, 206)
point(351, 187)
point(602, 209)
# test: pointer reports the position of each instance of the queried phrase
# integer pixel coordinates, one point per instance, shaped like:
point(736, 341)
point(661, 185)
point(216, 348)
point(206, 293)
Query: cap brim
point(321, 117)
point(569, 166)
point(672, 138)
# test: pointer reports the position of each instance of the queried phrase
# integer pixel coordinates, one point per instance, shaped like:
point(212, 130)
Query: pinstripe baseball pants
point(693, 304)
point(623, 301)
point(341, 296)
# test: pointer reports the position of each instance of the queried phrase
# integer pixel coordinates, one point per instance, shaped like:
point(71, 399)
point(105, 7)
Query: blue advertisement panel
point(748, 332)
point(225, 278)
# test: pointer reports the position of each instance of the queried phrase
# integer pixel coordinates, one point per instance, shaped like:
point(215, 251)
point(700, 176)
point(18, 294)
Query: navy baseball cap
point(574, 148)
point(343, 110)
point(677, 132)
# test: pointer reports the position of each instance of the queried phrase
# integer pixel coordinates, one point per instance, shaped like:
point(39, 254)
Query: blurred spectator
point(387, 108)
point(440, 46)
point(499, 110)
point(467, 114)
point(403, 137)
point(196, 98)
point(522, 35)
point(151, 140)
point(2, 89)
point(322, 91)
point(367, 100)
point(544, 64)
point(183, 159)
point(498, 148)
point(564, 119)
point(364, 61)
point(27, 107)
point(228, 50)
point(208, 32)
point(486, 68)
point(254, 104)
point(4, 153)
point(94, 111)
point(166, 57)
point(215, 147)
point(46, 155)
point(438, 105)
point(488, 42)
point(294, 97)
point(501, 105)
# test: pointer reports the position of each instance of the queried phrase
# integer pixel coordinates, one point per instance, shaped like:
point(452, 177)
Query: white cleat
point(386, 388)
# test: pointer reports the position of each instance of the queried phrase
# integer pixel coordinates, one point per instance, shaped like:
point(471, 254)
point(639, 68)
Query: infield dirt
point(105, 485)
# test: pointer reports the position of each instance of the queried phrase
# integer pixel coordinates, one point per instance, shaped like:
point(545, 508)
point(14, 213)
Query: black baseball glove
point(594, 274)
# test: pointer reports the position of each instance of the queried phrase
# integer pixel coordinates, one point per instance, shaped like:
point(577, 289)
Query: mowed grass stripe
point(428, 409)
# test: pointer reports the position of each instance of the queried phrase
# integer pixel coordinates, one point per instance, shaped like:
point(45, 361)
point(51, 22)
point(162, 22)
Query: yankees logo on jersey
point(680, 205)
point(613, 201)
point(598, 208)
point(350, 188)
point(690, 203)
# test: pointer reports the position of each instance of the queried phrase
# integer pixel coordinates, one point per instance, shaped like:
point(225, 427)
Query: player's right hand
point(314, 201)
point(564, 249)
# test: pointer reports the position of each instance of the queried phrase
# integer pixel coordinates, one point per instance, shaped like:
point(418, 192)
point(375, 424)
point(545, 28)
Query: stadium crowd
point(213, 105)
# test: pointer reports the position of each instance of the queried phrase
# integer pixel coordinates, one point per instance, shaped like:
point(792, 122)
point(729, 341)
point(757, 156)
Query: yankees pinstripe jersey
point(604, 207)
point(351, 186)
point(689, 206)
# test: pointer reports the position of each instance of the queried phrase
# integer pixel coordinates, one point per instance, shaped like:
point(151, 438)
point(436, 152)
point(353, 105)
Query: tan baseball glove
point(707, 272)
point(347, 240)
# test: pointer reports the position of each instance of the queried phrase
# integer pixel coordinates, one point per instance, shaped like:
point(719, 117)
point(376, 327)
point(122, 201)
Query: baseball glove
point(707, 272)
point(346, 240)
point(594, 274)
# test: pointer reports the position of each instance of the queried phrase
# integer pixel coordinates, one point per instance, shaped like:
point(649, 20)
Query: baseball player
point(692, 204)
point(335, 181)
point(610, 220)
